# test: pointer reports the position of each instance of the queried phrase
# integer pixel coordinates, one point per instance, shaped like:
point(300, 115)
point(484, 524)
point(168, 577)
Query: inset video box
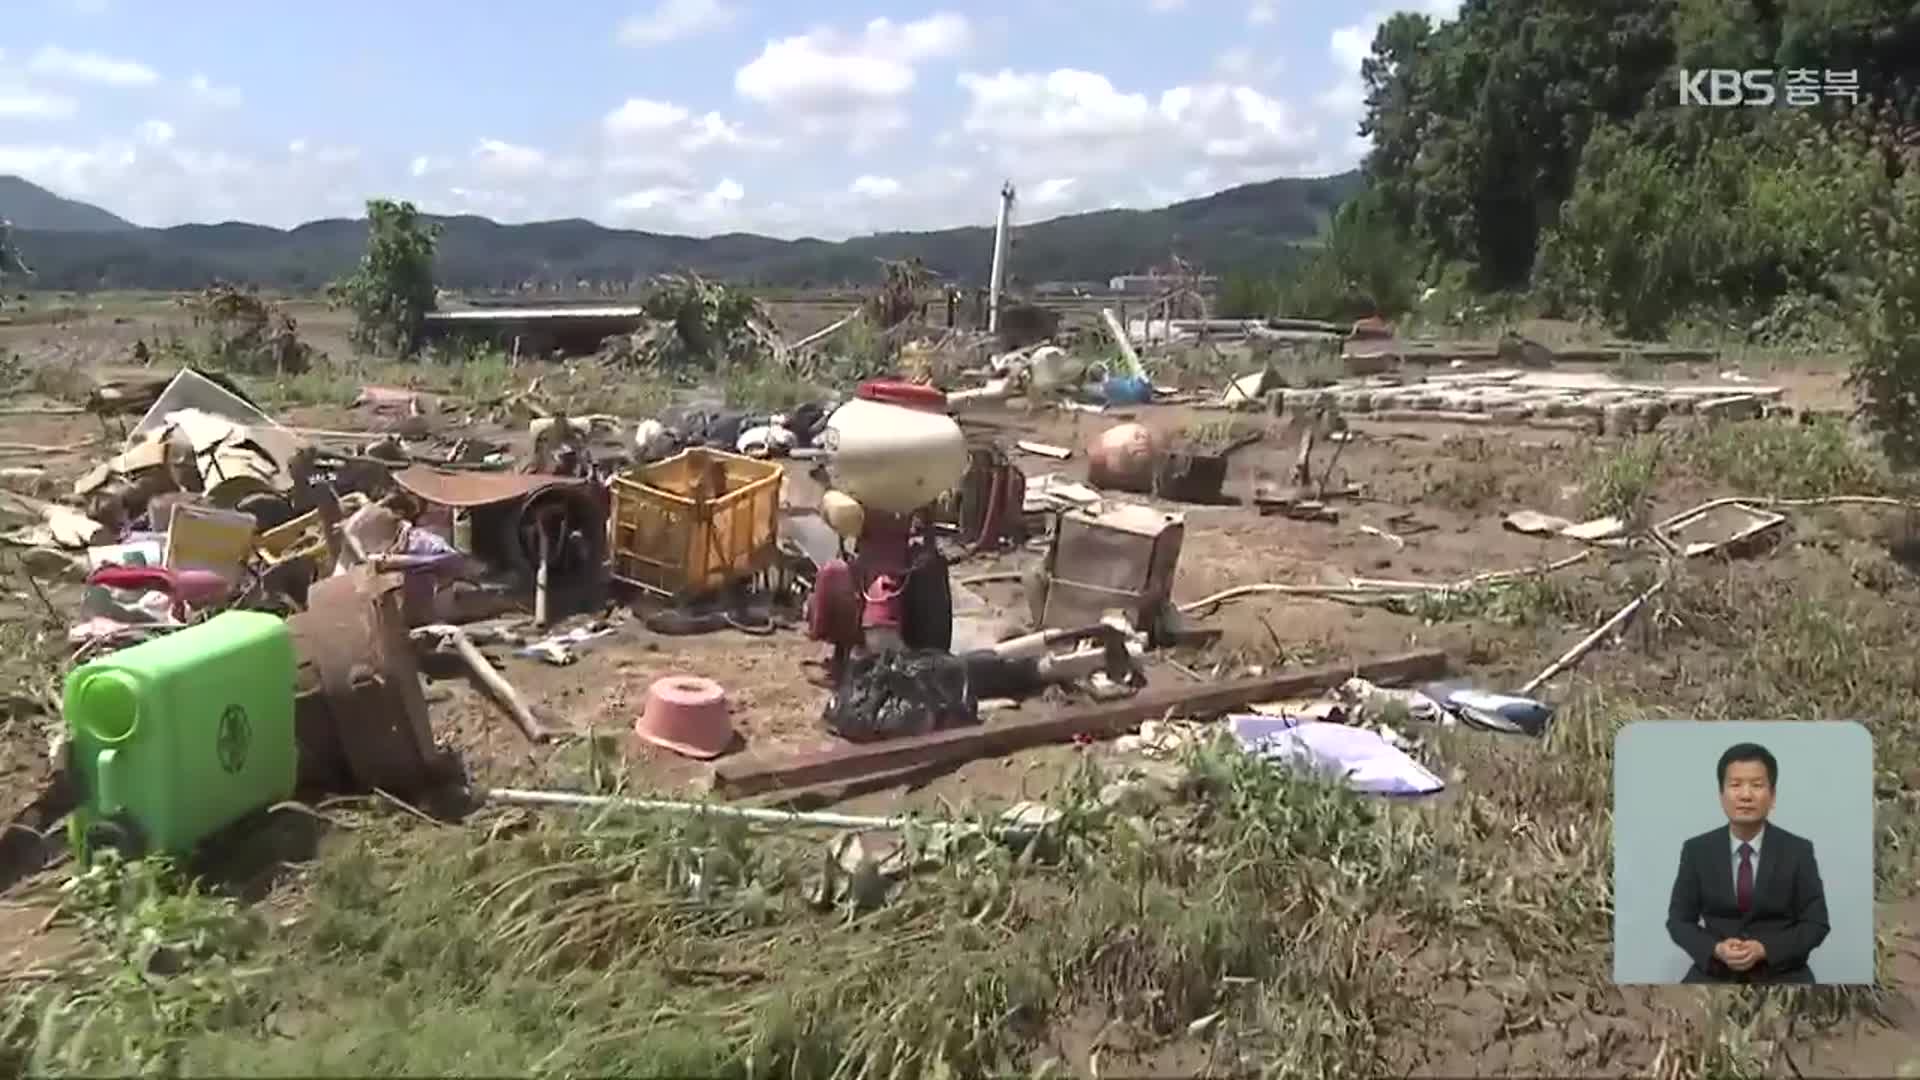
point(1743, 853)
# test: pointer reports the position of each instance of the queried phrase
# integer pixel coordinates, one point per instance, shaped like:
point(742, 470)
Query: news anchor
point(1747, 903)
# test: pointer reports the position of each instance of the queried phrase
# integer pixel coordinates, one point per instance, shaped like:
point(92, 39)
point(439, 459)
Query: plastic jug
point(173, 739)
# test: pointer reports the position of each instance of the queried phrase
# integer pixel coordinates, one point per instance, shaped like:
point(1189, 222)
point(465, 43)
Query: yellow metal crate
point(698, 521)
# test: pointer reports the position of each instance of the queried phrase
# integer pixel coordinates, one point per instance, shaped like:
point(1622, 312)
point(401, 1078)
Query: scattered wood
point(1303, 461)
point(750, 775)
point(495, 683)
point(1297, 503)
point(1047, 450)
point(1587, 644)
point(824, 332)
point(38, 448)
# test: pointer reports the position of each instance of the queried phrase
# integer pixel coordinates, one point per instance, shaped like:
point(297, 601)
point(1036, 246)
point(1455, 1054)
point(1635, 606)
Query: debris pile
point(249, 334)
point(1591, 402)
point(287, 591)
point(695, 325)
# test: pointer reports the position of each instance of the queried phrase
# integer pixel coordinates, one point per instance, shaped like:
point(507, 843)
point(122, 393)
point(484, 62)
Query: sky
point(830, 118)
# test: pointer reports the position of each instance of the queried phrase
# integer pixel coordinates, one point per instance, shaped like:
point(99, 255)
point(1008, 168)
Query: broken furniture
point(360, 711)
point(202, 438)
point(1191, 476)
point(303, 537)
point(1119, 557)
point(695, 523)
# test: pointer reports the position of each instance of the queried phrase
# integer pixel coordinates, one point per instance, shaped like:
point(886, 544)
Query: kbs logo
point(1734, 87)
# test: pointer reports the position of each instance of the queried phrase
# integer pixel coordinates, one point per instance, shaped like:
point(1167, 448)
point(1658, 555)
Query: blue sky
point(690, 116)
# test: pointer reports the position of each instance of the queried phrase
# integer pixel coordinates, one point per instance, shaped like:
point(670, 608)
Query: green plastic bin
point(176, 738)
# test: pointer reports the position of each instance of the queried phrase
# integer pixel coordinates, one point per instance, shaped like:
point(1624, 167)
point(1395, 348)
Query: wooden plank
point(753, 775)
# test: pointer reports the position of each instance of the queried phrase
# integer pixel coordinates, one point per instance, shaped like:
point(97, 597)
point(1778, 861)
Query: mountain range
point(76, 246)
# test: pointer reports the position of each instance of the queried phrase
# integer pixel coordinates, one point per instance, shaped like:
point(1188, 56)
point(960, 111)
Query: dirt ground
point(1437, 492)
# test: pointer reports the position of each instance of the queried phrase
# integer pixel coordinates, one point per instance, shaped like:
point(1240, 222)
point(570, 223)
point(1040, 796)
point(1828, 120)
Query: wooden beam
point(754, 775)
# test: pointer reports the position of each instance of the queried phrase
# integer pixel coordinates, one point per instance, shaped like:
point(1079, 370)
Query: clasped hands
point(1740, 954)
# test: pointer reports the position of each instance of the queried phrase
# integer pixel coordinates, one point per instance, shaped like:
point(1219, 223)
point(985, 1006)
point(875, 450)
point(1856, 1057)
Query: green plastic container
point(176, 738)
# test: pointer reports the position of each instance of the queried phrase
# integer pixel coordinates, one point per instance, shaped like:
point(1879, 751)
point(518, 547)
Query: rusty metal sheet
point(361, 710)
point(452, 487)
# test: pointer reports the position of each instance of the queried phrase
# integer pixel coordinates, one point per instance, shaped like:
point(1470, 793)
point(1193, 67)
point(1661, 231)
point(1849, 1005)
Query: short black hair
point(1748, 751)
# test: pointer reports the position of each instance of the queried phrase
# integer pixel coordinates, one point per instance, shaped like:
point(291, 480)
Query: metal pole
point(999, 259)
point(822, 819)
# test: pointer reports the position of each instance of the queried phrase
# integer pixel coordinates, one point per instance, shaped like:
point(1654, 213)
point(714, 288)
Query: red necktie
point(1743, 884)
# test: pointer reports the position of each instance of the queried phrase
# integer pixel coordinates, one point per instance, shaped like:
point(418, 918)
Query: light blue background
point(1664, 792)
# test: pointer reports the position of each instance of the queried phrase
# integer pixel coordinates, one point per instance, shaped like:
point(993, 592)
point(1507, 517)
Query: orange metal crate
point(696, 522)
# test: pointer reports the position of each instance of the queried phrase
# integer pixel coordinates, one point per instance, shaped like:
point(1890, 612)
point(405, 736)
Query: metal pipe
point(818, 819)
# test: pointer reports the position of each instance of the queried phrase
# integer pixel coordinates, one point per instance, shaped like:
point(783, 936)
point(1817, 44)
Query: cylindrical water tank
point(894, 458)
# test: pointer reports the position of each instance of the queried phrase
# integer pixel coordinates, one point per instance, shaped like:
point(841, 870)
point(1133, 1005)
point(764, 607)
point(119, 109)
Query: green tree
point(392, 291)
point(1885, 301)
point(1478, 125)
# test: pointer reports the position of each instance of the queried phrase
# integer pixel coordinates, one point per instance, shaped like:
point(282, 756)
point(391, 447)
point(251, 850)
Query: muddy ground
point(1440, 490)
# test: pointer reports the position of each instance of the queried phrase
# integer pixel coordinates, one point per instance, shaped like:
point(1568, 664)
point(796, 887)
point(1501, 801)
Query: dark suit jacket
point(1789, 913)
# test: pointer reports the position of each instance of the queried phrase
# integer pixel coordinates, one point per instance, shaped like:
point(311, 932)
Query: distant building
point(1154, 284)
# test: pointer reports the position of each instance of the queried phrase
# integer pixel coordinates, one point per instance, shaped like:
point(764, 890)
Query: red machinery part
point(834, 606)
point(905, 394)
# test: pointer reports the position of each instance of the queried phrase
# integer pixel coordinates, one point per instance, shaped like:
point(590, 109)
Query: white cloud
point(642, 118)
point(655, 125)
point(1052, 192)
point(1080, 120)
point(206, 91)
point(153, 177)
point(1262, 12)
point(1164, 6)
point(55, 62)
point(724, 193)
point(673, 206)
point(507, 159)
point(827, 80)
point(20, 103)
point(674, 20)
point(875, 187)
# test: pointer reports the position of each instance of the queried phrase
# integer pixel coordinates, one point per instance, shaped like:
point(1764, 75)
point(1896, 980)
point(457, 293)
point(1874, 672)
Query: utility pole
point(999, 278)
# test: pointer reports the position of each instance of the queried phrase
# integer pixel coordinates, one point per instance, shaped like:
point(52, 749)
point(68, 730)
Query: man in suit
point(1747, 902)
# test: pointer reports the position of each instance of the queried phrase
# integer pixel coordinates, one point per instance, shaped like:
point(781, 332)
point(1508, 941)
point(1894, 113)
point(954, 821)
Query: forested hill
point(1253, 226)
